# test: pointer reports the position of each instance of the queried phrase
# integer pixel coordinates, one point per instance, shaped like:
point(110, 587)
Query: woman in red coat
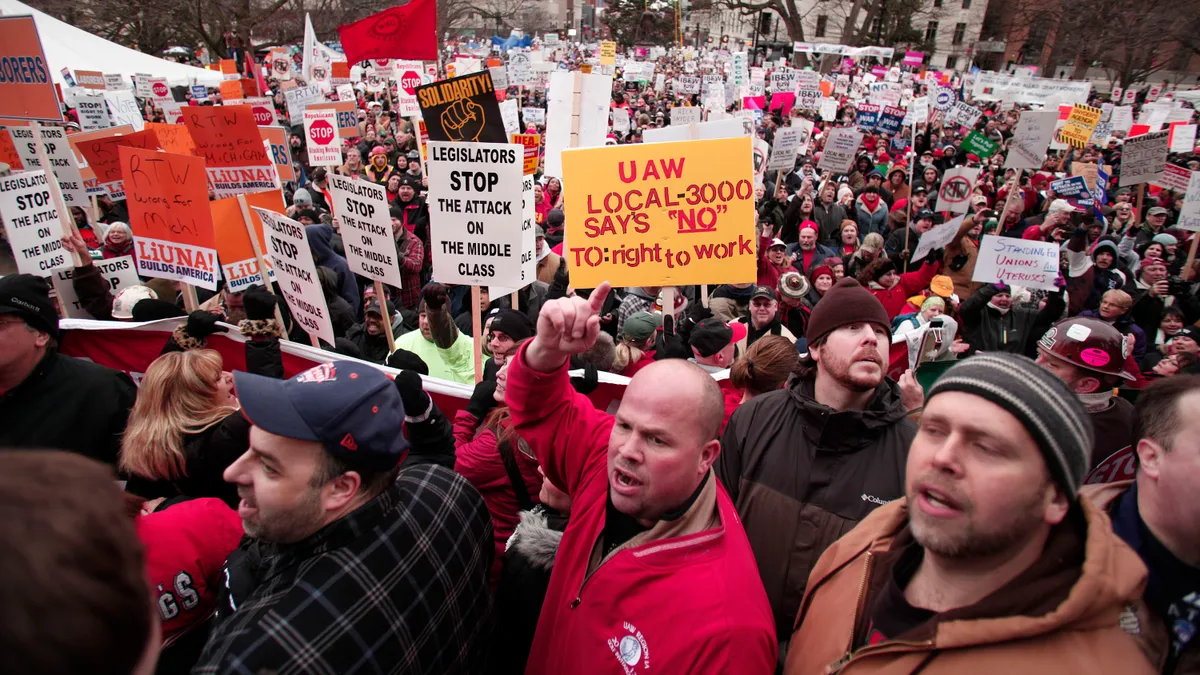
point(893, 289)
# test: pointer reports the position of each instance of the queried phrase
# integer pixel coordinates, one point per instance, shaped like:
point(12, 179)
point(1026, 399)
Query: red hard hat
point(1088, 343)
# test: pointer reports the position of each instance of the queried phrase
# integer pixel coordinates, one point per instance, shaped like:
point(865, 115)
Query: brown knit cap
point(846, 303)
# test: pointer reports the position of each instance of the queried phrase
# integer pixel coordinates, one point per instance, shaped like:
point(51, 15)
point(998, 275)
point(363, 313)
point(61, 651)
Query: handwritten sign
point(105, 162)
point(938, 237)
point(661, 213)
point(168, 213)
point(1018, 262)
point(1030, 139)
point(228, 140)
point(173, 138)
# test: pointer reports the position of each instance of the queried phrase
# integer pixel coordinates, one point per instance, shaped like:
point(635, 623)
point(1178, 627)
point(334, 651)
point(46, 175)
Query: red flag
point(407, 32)
point(252, 67)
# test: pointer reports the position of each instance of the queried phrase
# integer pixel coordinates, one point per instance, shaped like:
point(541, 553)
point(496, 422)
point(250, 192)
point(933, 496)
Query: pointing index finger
point(598, 296)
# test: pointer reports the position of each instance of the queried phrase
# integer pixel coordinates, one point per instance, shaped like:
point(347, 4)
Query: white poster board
point(938, 237)
point(1017, 262)
point(840, 147)
point(366, 227)
point(1143, 158)
point(32, 223)
point(117, 272)
point(324, 145)
point(62, 161)
point(476, 212)
point(296, 272)
point(1030, 139)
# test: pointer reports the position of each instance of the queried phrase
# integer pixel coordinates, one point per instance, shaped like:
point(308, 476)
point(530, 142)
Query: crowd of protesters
point(776, 490)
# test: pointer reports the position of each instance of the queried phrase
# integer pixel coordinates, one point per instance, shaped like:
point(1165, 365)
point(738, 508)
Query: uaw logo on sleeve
point(630, 649)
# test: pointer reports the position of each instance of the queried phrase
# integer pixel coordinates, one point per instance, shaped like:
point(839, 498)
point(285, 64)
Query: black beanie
point(846, 303)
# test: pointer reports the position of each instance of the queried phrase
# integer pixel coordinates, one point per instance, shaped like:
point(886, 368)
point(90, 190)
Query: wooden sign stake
point(262, 263)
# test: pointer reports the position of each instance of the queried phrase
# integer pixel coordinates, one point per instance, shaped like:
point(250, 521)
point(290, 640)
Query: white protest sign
point(298, 98)
point(784, 148)
point(938, 237)
point(733, 127)
point(124, 108)
point(1122, 118)
point(809, 99)
point(476, 206)
point(292, 260)
point(1143, 158)
point(620, 120)
point(1030, 139)
point(141, 83)
point(528, 240)
point(687, 85)
point(964, 114)
point(841, 145)
point(62, 160)
point(93, 111)
point(159, 90)
point(32, 223)
point(806, 128)
point(499, 78)
point(684, 115)
point(783, 80)
point(117, 272)
point(918, 111)
point(1189, 213)
point(366, 228)
point(1183, 139)
point(173, 112)
point(1017, 262)
point(955, 193)
point(508, 114)
point(829, 108)
point(520, 73)
point(534, 116)
point(115, 81)
point(321, 130)
point(991, 86)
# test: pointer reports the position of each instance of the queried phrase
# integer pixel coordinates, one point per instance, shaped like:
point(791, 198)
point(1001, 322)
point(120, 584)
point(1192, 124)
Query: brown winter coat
point(1152, 635)
point(802, 474)
point(1079, 631)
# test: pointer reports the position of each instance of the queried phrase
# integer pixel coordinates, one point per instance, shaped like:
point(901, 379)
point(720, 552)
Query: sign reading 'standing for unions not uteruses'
point(661, 214)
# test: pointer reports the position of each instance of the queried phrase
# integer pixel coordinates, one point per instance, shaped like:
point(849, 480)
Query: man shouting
point(655, 561)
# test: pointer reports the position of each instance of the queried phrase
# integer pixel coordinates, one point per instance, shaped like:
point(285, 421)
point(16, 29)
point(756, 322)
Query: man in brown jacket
point(990, 564)
point(1158, 515)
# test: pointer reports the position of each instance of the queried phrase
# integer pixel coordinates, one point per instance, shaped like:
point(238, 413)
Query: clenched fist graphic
point(463, 120)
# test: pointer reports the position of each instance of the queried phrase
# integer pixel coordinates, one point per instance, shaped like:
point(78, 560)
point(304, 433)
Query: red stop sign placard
point(160, 89)
point(321, 132)
point(263, 116)
point(410, 81)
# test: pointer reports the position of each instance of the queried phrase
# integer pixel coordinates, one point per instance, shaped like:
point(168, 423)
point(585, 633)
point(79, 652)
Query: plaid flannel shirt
point(398, 586)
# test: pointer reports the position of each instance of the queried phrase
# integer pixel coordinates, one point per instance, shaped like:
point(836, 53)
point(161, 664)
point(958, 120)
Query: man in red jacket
point(655, 564)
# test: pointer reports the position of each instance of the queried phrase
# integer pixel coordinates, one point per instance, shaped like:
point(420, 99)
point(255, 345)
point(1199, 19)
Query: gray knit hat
point(1047, 408)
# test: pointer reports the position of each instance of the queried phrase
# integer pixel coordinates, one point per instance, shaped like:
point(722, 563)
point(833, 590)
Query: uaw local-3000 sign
point(661, 214)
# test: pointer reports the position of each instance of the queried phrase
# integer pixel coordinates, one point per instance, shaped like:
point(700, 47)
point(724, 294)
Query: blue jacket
point(319, 238)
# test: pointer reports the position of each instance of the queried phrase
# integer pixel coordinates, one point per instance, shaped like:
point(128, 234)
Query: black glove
point(483, 400)
point(588, 382)
point(259, 303)
point(562, 280)
point(201, 324)
point(412, 393)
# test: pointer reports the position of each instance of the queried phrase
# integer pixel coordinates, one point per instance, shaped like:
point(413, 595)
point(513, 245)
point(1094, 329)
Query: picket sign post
point(95, 210)
point(912, 169)
point(694, 134)
point(387, 315)
point(190, 302)
point(668, 306)
point(1013, 190)
point(1191, 259)
point(262, 265)
point(64, 215)
point(514, 298)
point(1137, 213)
point(477, 330)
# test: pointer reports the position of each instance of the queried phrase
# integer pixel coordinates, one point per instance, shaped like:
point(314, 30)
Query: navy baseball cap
point(349, 407)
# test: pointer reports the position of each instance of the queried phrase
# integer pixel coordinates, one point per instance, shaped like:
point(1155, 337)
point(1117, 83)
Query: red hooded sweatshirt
point(692, 603)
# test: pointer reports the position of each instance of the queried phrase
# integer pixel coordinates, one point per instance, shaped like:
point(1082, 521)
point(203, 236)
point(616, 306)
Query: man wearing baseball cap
point(48, 400)
point(349, 565)
point(763, 319)
point(712, 342)
point(990, 562)
point(1156, 221)
point(804, 464)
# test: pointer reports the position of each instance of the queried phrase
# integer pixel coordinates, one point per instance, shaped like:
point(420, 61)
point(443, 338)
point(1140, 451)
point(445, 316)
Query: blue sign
point(199, 91)
point(867, 117)
point(944, 99)
point(890, 123)
point(1070, 187)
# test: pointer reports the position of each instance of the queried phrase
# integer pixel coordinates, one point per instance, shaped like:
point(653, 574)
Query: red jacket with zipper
point(666, 602)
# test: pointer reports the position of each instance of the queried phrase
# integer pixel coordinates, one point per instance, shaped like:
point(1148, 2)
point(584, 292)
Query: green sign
point(978, 144)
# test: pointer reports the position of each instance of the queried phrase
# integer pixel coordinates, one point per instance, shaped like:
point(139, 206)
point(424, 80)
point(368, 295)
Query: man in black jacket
point(805, 464)
point(992, 323)
point(48, 400)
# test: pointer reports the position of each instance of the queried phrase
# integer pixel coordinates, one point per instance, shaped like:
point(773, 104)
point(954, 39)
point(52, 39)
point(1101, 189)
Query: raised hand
point(566, 326)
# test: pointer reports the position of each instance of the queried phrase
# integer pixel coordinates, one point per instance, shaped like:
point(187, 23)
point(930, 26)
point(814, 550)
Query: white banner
point(476, 205)
point(990, 86)
point(366, 228)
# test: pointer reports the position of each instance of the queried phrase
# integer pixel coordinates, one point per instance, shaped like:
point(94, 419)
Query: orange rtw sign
point(173, 138)
point(169, 215)
point(227, 138)
point(104, 161)
point(26, 88)
point(231, 90)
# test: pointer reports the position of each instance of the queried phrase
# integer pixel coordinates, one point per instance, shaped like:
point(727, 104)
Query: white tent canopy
point(69, 47)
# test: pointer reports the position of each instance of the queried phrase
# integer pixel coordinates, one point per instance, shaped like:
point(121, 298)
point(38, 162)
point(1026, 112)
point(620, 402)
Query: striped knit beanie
point(1045, 406)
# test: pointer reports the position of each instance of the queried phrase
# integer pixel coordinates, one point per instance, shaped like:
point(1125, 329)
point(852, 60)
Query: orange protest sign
point(229, 67)
point(89, 79)
point(281, 154)
point(234, 249)
point(26, 89)
point(231, 90)
point(532, 144)
point(228, 140)
point(340, 70)
point(249, 86)
point(173, 138)
point(105, 162)
point(826, 88)
point(8, 152)
point(168, 213)
point(73, 140)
